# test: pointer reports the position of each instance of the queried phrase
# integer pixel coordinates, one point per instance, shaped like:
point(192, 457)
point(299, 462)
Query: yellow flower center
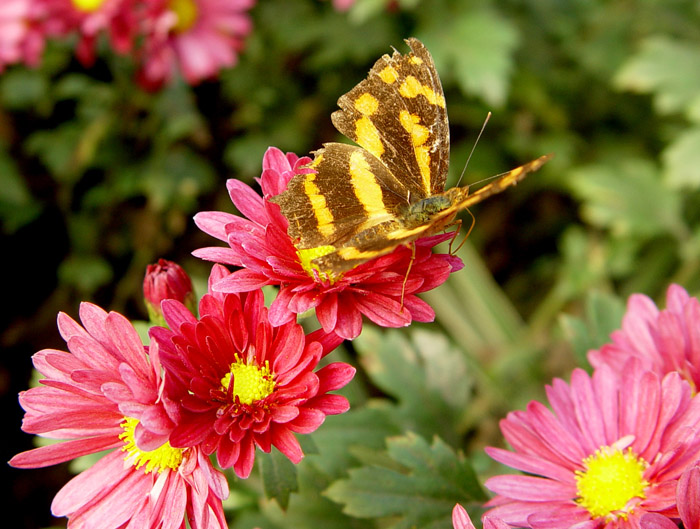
point(251, 383)
point(610, 480)
point(308, 255)
point(165, 456)
point(88, 5)
point(187, 12)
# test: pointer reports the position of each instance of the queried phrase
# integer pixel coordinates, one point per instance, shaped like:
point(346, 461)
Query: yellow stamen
point(187, 12)
point(306, 257)
point(610, 480)
point(251, 383)
point(88, 5)
point(165, 456)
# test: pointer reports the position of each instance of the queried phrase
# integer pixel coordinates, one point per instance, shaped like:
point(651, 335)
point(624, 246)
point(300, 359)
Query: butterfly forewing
point(398, 114)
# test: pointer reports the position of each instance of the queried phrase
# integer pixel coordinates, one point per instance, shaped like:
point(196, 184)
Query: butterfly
point(363, 201)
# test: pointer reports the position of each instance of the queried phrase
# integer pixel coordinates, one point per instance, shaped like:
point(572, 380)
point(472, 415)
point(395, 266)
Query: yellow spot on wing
point(366, 104)
point(419, 136)
point(324, 217)
point(350, 253)
point(368, 136)
point(411, 87)
point(389, 75)
point(367, 190)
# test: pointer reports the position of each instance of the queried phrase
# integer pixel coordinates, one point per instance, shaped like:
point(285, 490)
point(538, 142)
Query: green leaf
point(422, 496)
point(483, 59)
point(23, 89)
point(17, 206)
point(667, 68)
point(682, 159)
point(603, 315)
point(85, 272)
point(341, 434)
point(627, 196)
point(279, 476)
point(426, 375)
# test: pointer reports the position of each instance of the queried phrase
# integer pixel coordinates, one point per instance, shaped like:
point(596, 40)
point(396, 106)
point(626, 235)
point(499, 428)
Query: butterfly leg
point(408, 271)
point(459, 225)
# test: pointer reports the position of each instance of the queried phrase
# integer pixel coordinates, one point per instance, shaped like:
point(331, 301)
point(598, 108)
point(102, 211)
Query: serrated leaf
point(628, 197)
point(682, 160)
point(420, 374)
point(421, 497)
point(365, 427)
point(667, 68)
point(279, 477)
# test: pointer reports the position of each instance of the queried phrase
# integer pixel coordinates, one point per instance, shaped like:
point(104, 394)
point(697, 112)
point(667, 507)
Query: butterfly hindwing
point(349, 192)
point(398, 114)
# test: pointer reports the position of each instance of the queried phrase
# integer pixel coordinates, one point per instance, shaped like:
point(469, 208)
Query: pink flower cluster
point(238, 378)
point(192, 38)
point(619, 448)
point(227, 383)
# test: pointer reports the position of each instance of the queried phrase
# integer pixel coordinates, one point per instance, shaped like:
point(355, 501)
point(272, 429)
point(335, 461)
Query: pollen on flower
point(610, 480)
point(165, 456)
point(306, 257)
point(187, 13)
point(251, 383)
point(88, 5)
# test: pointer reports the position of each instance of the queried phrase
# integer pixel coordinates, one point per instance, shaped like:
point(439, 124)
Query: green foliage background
point(99, 178)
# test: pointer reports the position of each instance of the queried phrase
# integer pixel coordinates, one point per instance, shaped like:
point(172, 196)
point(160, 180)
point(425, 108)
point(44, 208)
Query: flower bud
point(166, 280)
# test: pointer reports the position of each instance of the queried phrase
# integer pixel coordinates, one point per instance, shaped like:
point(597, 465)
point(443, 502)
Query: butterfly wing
point(398, 114)
point(350, 192)
point(417, 222)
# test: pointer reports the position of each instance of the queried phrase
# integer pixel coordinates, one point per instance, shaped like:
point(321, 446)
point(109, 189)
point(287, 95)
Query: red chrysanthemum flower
point(242, 382)
point(100, 396)
point(195, 37)
point(611, 451)
point(260, 245)
point(664, 341)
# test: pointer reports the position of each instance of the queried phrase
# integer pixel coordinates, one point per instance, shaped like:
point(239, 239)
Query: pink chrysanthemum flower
point(21, 39)
point(195, 37)
point(260, 245)
point(90, 18)
point(664, 341)
point(242, 382)
point(461, 520)
point(611, 451)
point(99, 397)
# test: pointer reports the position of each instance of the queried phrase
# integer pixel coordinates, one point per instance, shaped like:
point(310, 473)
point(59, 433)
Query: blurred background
point(113, 134)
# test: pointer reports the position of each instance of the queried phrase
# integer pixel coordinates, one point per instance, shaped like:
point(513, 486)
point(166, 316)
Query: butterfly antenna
point(488, 116)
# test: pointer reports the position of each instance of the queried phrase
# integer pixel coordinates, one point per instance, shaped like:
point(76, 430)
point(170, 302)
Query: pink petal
point(654, 520)
point(460, 518)
point(247, 201)
point(65, 451)
point(688, 493)
point(528, 488)
point(244, 280)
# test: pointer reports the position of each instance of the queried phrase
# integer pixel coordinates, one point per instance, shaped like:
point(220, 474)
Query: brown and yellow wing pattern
point(362, 202)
